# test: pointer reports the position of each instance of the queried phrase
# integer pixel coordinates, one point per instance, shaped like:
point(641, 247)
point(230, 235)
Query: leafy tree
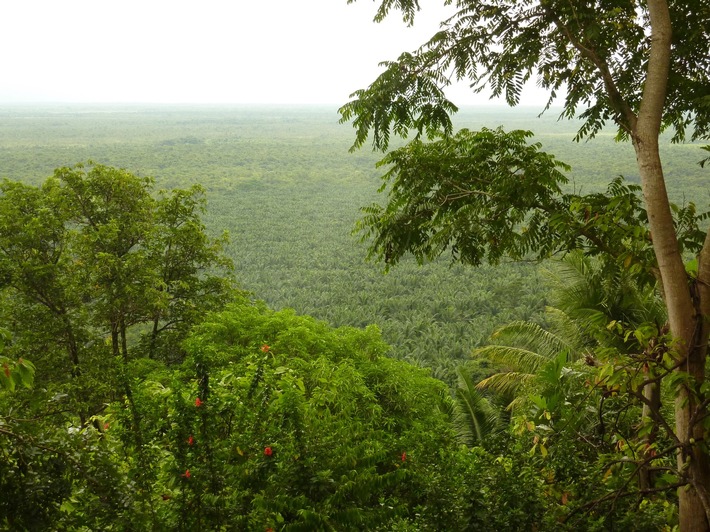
point(640, 66)
point(35, 263)
point(91, 253)
point(187, 260)
point(316, 430)
point(594, 301)
point(598, 300)
point(346, 427)
point(91, 256)
point(113, 211)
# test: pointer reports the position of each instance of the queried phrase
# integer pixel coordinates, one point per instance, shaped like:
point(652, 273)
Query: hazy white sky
point(201, 51)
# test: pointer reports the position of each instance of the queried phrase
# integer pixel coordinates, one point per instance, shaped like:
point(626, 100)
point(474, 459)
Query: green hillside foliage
point(281, 182)
point(141, 390)
point(314, 430)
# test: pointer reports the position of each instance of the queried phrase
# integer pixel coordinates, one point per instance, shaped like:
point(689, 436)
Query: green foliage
point(525, 350)
point(14, 373)
point(281, 182)
point(55, 475)
point(315, 429)
point(593, 295)
point(91, 254)
point(616, 62)
point(594, 425)
point(591, 55)
point(417, 93)
point(480, 195)
point(277, 180)
point(475, 419)
point(489, 195)
point(342, 424)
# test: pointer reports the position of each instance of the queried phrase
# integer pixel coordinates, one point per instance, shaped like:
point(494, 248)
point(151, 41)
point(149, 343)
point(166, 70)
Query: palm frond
point(516, 358)
point(516, 403)
point(475, 420)
point(508, 383)
point(563, 326)
point(530, 336)
point(581, 285)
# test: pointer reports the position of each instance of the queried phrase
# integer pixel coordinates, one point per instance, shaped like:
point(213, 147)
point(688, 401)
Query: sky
point(204, 51)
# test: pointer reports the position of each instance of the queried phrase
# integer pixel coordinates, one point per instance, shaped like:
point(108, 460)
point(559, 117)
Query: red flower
point(268, 451)
point(105, 426)
point(187, 474)
point(265, 348)
point(191, 440)
point(198, 402)
point(404, 457)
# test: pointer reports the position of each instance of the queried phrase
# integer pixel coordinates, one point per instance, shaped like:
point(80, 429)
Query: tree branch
point(617, 101)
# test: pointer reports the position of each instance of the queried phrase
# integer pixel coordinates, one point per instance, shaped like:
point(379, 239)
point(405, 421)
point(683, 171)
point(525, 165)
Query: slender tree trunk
point(652, 393)
point(154, 337)
point(700, 364)
point(71, 344)
point(115, 348)
point(684, 310)
point(689, 329)
point(124, 342)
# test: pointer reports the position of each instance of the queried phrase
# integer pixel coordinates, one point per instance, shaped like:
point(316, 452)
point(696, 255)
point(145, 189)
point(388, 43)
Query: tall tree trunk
point(124, 341)
point(115, 348)
point(701, 458)
point(154, 336)
point(684, 311)
point(689, 348)
point(652, 394)
point(71, 343)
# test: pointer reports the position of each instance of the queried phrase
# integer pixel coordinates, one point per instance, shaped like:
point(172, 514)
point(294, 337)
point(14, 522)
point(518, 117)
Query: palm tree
point(594, 296)
point(474, 417)
point(587, 299)
point(524, 348)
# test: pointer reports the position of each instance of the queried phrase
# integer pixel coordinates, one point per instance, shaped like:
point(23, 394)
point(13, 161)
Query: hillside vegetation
point(280, 180)
point(191, 338)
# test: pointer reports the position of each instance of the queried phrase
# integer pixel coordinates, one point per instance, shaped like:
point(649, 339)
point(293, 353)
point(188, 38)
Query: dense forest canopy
point(191, 337)
point(266, 419)
point(637, 66)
